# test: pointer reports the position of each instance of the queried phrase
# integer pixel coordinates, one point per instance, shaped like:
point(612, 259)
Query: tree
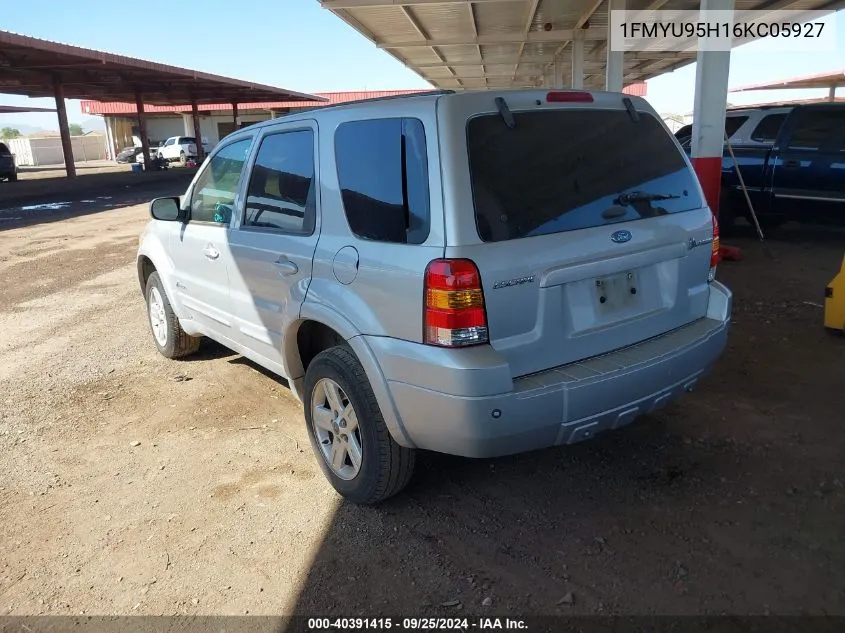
point(10, 132)
point(76, 129)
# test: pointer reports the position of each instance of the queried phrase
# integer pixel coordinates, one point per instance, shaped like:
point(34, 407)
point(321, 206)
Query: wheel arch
point(151, 258)
point(321, 325)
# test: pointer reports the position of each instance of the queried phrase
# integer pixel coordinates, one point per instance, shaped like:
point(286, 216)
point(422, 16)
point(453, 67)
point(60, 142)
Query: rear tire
point(168, 336)
point(383, 466)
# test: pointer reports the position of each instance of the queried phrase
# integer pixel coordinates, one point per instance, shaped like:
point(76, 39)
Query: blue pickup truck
point(799, 177)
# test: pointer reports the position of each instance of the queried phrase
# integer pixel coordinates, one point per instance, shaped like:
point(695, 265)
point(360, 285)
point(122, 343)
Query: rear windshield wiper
point(642, 196)
point(505, 111)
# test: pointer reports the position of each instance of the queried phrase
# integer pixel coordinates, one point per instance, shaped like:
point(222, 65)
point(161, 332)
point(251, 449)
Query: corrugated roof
point(85, 73)
point(329, 98)
point(478, 44)
point(817, 80)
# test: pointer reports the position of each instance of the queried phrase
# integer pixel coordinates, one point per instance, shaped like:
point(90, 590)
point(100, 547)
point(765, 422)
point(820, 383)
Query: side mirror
point(167, 210)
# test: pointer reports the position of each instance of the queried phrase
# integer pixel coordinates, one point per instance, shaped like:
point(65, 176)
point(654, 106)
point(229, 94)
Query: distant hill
point(25, 130)
point(91, 124)
point(94, 124)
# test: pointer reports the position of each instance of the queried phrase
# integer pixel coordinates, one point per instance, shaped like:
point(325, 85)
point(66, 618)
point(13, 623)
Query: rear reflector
point(714, 252)
point(570, 96)
point(454, 314)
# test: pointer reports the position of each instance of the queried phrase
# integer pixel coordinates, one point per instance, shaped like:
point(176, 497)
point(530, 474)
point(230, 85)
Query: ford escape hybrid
point(476, 273)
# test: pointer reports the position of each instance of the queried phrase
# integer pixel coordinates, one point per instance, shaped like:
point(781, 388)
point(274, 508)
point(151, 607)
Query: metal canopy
point(478, 44)
point(4, 109)
point(29, 66)
point(821, 80)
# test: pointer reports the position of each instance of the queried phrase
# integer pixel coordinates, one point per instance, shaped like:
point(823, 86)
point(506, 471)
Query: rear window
point(187, 139)
point(564, 170)
point(733, 123)
point(768, 128)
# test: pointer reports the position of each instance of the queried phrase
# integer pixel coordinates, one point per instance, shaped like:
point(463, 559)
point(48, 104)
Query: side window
point(816, 128)
point(382, 167)
point(768, 128)
point(214, 192)
point(733, 123)
point(281, 192)
point(169, 141)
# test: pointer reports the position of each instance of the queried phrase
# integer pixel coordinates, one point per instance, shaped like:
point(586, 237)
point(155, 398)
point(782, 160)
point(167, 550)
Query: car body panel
point(543, 379)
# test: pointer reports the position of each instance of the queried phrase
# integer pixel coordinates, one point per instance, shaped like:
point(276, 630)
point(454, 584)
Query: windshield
point(565, 170)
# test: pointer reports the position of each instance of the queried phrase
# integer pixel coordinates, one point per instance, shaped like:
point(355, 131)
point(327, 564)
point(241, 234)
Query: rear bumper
point(461, 406)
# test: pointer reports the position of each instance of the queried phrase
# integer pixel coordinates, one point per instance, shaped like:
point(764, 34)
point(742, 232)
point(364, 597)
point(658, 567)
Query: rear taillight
point(714, 252)
point(454, 314)
point(571, 96)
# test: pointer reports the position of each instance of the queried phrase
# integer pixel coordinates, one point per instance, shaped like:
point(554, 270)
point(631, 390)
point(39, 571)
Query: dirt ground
point(83, 168)
point(130, 484)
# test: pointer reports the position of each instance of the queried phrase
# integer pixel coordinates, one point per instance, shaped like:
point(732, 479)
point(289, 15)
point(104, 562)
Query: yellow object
point(834, 302)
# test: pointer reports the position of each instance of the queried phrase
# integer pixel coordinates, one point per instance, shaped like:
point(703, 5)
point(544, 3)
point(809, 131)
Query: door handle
point(210, 252)
point(286, 267)
point(791, 164)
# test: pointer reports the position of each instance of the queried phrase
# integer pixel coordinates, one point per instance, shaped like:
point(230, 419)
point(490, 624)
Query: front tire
point(169, 337)
point(347, 431)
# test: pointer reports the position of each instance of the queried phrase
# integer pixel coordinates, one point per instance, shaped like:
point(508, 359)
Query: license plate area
point(617, 292)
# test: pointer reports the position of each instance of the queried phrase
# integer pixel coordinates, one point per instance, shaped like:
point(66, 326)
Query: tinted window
point(382, 167)
point(217, 185)
point(768, 128)
point(733, 123)
point(565, 170)
point(818, 128)
point(186, 140)
point(281, 191)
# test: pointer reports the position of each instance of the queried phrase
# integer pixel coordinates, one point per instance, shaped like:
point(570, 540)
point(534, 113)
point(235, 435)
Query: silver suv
point(475, 273)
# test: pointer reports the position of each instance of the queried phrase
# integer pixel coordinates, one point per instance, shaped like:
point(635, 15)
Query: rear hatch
point(586, 222)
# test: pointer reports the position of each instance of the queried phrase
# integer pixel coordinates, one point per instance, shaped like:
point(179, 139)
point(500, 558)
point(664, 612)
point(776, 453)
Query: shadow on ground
point(729, 502)
point(51, 200)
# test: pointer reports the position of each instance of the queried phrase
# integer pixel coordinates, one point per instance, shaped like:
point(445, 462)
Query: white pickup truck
point(181, 148)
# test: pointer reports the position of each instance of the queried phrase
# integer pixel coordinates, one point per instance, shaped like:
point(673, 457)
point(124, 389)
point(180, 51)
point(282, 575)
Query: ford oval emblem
point(620, 237)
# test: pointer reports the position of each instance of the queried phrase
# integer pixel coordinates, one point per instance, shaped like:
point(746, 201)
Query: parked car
point(180, 148)
point(154, 152)
point(8, 166)
point(373, 254)
point(756, 126)
point(127, 155)
point(798, 177)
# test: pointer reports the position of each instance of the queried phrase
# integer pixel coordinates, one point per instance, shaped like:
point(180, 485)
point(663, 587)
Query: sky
point(298, 45)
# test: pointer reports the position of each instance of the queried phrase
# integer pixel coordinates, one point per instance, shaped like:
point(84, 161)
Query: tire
point(174, 343)
point(385, 468)
point(182, 158)
point(13, 177)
